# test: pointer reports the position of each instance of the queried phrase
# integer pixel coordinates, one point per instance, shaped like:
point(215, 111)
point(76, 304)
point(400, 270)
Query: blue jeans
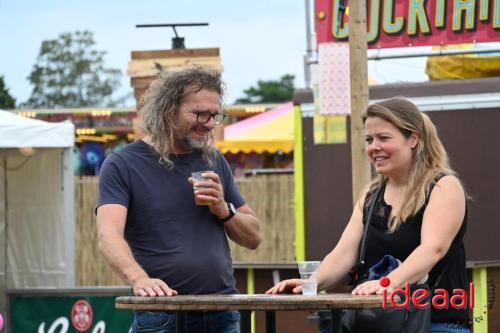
point(448, 328)
point(197, 322)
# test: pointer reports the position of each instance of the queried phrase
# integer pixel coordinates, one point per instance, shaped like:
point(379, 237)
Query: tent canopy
point(267, 132)
point(19, 132)
point(36, 204)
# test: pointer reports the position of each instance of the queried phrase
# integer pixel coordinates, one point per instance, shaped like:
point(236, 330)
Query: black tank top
point(401, 243)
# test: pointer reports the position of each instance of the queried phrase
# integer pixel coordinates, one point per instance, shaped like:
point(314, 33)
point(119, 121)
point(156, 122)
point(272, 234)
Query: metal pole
point(170, 25)
point(246, 321)
point(336, 321)
point(181, 321)
point(307, 57)
point(68, 190)
point(361, 173)
point(270, 321)
point(6, 229)
point(434, 53)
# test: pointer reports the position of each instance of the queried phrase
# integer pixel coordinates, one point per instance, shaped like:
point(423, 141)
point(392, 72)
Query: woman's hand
point(372, 287)
point(295, 285)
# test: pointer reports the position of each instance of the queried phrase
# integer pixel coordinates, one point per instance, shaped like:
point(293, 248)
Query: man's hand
point(211, 191)
point(243, 228)
point(152, 287)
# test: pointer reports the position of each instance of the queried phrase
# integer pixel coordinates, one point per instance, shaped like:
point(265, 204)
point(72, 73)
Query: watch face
point(232, 210)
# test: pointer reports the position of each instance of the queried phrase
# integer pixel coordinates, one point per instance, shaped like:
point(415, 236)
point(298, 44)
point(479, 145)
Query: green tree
point(270, 91)
point(6, 100)
point(69, 72)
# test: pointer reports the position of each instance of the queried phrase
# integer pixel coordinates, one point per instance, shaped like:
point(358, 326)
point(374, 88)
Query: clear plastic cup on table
point(309, 275)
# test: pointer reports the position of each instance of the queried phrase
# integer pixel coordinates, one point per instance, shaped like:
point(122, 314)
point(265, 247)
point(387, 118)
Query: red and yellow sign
point(402, 23)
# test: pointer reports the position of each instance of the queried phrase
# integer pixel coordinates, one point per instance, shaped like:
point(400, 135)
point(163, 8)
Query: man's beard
point(202, 145)
point(192, 144)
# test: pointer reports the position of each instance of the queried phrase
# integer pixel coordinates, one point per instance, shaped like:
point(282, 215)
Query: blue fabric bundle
point(386, 265)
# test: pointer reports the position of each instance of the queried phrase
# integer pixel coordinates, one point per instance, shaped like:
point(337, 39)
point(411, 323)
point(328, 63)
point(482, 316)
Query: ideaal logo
point(420, 297)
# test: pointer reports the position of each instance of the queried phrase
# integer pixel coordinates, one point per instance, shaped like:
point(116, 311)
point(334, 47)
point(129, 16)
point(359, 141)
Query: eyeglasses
point(203, 117)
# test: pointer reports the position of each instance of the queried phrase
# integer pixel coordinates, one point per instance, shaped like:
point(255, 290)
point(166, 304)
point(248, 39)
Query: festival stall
point(270, 131)
point(36, 204)
point(265, 140)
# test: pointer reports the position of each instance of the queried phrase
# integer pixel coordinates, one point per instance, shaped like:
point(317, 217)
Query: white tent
point(36, 204)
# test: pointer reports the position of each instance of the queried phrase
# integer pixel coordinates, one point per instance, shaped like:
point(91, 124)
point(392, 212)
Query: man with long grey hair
point(150, 229)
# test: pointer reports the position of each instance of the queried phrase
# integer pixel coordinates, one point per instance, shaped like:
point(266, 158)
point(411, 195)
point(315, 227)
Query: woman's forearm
point(334, 268)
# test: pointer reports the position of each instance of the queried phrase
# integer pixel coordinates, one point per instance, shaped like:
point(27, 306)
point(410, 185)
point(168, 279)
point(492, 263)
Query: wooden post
point(361, 173)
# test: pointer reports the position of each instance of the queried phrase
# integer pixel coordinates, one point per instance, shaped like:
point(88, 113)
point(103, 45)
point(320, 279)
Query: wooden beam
point(151, 67)
point(361, 172)
point(138, 92)
point(153, 54)
point(141, 82)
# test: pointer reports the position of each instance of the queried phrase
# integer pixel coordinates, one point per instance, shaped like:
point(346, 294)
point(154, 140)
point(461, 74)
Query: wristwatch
point(232, 212)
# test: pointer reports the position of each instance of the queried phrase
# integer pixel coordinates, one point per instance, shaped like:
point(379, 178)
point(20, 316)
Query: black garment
point(405, 239)
point(170, 237)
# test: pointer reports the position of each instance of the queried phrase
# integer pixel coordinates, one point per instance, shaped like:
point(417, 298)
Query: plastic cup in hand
point(309, 275)
point(197, 177)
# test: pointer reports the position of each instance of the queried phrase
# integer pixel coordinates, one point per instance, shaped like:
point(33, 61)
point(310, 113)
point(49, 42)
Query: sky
point(258, 40)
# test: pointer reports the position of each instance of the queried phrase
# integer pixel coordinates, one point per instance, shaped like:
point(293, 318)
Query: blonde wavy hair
point(429, 156)
point(159, 105)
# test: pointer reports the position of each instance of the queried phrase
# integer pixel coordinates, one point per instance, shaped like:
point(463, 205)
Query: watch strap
point(230, 207)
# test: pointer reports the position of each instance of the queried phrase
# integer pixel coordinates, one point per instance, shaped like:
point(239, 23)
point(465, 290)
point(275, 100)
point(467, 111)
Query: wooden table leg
point(336, 320)
point(270, 322)
point(181, 321)
point(246, 321)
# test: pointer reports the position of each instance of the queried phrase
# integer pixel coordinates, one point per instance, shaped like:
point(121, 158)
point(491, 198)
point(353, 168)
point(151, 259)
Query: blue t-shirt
point(170, 237)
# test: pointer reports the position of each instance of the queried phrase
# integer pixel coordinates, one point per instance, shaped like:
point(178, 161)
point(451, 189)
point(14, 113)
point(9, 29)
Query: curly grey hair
point(160, 104)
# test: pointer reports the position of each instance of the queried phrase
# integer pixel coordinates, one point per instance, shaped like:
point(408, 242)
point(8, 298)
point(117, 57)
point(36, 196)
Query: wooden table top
point(249, 302)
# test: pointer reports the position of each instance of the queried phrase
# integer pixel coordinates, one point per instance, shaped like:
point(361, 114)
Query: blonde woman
point(419, 216)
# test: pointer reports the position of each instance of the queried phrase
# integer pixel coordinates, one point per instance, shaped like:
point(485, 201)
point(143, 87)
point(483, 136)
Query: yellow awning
point(465, 66)
point(267, 132)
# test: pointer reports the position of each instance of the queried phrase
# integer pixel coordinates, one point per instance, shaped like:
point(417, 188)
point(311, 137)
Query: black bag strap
point(440, 276)
point(362, 248)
